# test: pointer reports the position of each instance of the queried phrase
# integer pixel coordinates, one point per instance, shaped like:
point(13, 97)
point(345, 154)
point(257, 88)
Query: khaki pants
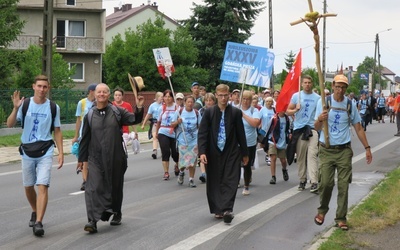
point(330, 161)
point(307, 161)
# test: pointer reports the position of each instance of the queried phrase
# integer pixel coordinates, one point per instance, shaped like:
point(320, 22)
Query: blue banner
point(364, 76)
point(247, 64)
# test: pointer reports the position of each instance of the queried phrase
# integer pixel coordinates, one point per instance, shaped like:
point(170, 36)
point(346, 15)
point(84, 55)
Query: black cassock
point(101, 146)
point(223, 167)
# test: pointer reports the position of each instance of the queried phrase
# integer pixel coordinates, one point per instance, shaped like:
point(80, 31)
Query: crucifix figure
point(312, 19)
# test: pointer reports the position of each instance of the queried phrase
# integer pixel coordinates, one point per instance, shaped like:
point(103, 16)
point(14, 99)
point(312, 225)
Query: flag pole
point(311, 19)
point(168, 74)
point(241, 92)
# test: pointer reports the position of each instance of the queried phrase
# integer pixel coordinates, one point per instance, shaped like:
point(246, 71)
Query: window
point(79, 71)
point(71, 2)
point(68, 28)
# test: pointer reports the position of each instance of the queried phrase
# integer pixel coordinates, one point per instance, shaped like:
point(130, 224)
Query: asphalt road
point(161, 214)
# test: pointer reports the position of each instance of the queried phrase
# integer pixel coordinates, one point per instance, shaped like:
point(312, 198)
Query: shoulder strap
point(53, 109)
point(83, 106)
point(25, 107)
point(115, 110)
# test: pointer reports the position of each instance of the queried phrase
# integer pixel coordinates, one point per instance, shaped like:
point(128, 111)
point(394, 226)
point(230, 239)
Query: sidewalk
point(11, 154)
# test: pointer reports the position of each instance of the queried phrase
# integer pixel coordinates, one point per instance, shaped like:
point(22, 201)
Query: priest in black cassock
point(102, 147)
point(222, 147)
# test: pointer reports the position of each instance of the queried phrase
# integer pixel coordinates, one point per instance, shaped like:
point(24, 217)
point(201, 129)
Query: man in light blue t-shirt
point(82, 109)
point(337, 157)
point(305, 138)
point(37, 146)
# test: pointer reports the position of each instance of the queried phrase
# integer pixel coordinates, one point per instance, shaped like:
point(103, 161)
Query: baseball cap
point(195, 83)
point(341, 78)
point(92, 87)
point(235, 90)
point(179, 96)
point(266, 91)
point(398, 91)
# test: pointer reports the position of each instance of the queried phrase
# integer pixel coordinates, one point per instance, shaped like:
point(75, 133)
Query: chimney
point(116, 9)
point(128, 6)
point(154, 5)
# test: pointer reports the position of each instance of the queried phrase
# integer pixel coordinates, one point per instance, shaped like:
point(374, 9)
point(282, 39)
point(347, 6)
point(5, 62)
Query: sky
point(350, 36)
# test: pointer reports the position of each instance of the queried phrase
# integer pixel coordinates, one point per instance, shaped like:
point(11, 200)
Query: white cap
point(180, 95)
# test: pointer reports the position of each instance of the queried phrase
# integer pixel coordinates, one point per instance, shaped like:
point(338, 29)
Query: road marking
point(76, 193)
point(221, 227)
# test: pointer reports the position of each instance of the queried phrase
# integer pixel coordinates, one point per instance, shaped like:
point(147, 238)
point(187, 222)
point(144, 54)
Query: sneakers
point(33, 219)
point(314, 188)
point(302, 185)
point(91, 227)
point(38, 229)
point(245, 191)
point(285, 175)
point(273, 180)
point(116, 220)
point(166, 176)
point(83, 186)
point(267, 160)
point(181, 177)
point(154, 154)
point(192, 184)
point(398, 134)
point(203, 178)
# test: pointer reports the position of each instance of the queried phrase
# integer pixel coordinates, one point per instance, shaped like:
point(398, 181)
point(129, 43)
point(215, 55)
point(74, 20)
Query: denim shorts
point(36, 171)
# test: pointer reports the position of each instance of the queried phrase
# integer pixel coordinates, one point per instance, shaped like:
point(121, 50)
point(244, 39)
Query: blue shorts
point(36, 171)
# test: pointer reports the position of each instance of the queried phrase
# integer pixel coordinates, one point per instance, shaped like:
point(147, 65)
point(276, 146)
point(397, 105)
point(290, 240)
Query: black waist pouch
point(35, 149)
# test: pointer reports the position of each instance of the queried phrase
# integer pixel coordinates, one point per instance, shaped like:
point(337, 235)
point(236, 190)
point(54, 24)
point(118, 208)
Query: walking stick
point(312, 19)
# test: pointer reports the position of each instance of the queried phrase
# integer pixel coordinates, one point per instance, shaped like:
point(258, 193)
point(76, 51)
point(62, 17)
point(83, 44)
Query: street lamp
point(377, 52)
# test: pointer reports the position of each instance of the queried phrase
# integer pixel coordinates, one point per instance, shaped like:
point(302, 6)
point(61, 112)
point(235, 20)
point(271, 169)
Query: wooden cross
point(312, 19)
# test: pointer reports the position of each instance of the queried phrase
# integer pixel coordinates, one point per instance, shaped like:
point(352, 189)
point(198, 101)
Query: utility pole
point(377, 54)
point(47, 49)
point(324, 44)
point(271, 39)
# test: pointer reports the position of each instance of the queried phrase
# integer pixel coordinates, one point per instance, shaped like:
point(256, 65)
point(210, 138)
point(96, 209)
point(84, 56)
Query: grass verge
point(380, 210)
point(15, 140)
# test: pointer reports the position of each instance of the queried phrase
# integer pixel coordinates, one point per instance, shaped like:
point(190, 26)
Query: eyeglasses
point(223, 96)
point(341, 87)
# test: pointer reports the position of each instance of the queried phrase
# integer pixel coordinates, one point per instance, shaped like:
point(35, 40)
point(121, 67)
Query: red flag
point(290, 86)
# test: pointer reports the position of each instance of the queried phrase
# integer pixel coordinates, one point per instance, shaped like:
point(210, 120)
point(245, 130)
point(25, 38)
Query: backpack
point(83, 106)
point(177, 130)
point(349, 106)
point(329, 102)
point(53, 109)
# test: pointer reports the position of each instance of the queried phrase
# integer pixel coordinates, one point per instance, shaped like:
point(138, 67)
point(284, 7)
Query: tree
point(10, 23)
point(214, 24)
point(289, 60)
point(366, 67)
point(135, 56)
point(31, 66)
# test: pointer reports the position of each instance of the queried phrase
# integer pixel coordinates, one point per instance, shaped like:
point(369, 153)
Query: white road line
point(76, 193)
point(221, 227)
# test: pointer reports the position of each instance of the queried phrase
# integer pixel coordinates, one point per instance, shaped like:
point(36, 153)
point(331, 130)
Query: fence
point(66, 99)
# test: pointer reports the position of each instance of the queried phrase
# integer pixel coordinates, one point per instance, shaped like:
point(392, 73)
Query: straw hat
point(136, 82)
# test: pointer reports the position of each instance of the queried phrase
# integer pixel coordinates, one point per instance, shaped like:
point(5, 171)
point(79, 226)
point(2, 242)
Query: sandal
point(218, 216)
point(176, 170)
point(319, 219)
point(342, 225)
